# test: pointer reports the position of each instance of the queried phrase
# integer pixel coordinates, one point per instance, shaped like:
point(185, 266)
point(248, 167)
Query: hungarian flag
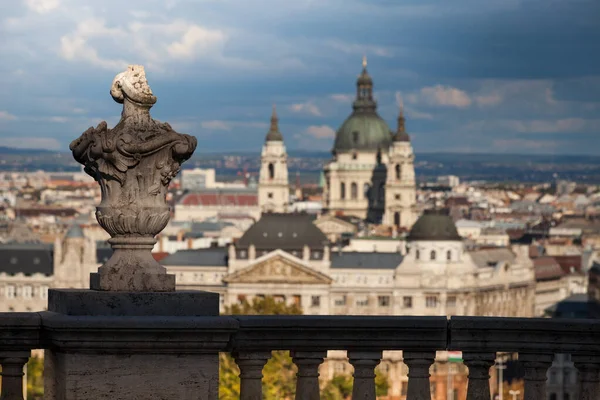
point(455, 356)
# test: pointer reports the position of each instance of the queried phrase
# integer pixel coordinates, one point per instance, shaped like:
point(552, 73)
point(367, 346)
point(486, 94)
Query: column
point(307, 387)
point(418, 374)
point(536, 366)
point(364, 363)
point(12, 373)
point(251, 365)
point(589, 376)
point(479, 365)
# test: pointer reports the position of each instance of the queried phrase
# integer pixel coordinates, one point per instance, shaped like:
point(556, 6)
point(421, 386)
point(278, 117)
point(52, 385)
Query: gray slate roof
point(213, 257)
point(361, 260)
point(26, 258)
point(434, 225)
point(283, 231)
point(491, 257)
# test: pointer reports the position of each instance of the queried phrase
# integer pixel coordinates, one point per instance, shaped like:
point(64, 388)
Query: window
point(397, 197)
point(354, 156)
point(362, 302)
point(353, 191)
point(27, 292)
point(432, 255)
point(407, 302)
point(270, 195)
point(398, 171)
point(431, 301)
point(342, 190)
point(451, 302)
point(449, 255)
point(384, 301)
point(355, 137)
point(10, 292)
point(553, 396)
point(271, 171)
point(418, 254)
point(397, 219)
point(315, 301)
point(340, 301)
point(43, 292)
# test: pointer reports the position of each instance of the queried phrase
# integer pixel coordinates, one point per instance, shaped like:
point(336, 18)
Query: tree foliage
point(35, 378)
point(279, 380)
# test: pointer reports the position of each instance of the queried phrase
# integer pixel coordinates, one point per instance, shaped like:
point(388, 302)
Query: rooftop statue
point(133, 163)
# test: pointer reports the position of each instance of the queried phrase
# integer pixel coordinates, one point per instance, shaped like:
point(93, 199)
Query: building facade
point(273, 183)
point(371, 174)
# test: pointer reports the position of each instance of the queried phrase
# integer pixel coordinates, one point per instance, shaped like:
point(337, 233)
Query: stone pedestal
point(132, 345)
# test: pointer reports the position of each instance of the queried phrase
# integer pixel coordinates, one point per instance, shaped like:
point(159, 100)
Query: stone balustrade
point(252, 338)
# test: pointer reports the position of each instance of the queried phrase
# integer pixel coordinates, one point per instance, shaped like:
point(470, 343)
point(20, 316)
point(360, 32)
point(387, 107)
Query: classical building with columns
point(371, 174)
point(273, 184)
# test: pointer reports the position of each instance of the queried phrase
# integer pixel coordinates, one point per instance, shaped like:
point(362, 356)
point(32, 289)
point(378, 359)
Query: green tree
point(382, 384)
point(279, 380)
point(35, 378)
point(338, 388)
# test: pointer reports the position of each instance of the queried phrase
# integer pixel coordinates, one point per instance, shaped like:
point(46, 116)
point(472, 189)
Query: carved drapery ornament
point(133, 163)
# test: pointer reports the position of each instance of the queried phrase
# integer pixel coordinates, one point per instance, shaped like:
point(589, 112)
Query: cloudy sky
point(514, 76)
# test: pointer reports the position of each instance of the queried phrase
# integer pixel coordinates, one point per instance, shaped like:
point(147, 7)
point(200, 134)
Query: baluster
point(418, 374)
point(308, 363)
point(364, 363)
point(479, 365)
point(13, 363)
point(251, 364)
point(589, 376)
point(536, 366)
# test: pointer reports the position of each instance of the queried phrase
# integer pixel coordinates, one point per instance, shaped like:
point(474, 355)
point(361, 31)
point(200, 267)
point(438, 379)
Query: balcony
point(251, 339)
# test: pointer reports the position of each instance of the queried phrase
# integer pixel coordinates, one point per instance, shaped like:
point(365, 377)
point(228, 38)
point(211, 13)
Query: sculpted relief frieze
point(278, 270)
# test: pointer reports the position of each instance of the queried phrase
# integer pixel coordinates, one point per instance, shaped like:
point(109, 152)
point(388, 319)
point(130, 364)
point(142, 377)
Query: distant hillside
point(15, 151)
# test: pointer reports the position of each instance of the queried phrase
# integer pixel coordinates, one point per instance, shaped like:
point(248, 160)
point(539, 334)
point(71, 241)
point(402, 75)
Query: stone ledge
point(20, 331)
point(137, 335)
point(313, 333)
point(143, 304)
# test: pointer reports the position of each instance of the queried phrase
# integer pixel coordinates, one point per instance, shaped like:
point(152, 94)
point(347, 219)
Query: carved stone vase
point(133, 163)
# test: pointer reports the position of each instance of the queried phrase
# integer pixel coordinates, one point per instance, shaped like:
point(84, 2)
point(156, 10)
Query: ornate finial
point(134, 163)
point(364, 61)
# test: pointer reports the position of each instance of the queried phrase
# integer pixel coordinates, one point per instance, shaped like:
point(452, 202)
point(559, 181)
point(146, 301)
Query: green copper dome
point(363, 129)
point(434, 225)
point(274, 135)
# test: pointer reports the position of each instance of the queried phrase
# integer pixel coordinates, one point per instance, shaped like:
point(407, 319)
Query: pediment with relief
point(278, 270)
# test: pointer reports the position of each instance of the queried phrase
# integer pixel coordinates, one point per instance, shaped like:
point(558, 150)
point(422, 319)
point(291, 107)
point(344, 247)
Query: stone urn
point(133, 163)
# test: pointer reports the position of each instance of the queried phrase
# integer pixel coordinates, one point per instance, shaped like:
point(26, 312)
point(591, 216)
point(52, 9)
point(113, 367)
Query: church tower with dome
point(365, 156)
point(273, 184)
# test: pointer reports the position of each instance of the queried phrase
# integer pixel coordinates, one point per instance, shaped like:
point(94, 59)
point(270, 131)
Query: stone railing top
point(134, 163)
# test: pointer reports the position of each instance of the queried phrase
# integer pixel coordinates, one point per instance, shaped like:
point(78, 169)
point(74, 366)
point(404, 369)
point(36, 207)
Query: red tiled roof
point(568, 262)
point(160, 255)
point(547, 268)
point(223, 199)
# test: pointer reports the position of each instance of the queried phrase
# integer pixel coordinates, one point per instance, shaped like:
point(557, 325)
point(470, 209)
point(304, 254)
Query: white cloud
point(359, 49)
point(153, 44)
point(342, 98)
point(306, 108)
point(411, 113)
point(58, 119)
point(320, 131)
point(439, 95)
point(42, 6)
point(489, 100)
point(216, 125)
point(561, 125)
point(6, 116)
point(31, 143)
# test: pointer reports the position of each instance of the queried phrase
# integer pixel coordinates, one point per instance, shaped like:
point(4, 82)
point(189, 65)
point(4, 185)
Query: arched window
point(397, 219)
point(448, 255)
point(271, 171)
point(432, 255)
point(417, 254)
point(353, 191)
point(398, 171)
point(355, 137)
point(342, 190)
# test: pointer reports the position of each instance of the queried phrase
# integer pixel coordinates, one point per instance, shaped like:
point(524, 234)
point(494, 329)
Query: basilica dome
point(364, 129)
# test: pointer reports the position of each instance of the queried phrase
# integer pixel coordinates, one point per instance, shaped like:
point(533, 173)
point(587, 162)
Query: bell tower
point(273, 183)
point(400, 191)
